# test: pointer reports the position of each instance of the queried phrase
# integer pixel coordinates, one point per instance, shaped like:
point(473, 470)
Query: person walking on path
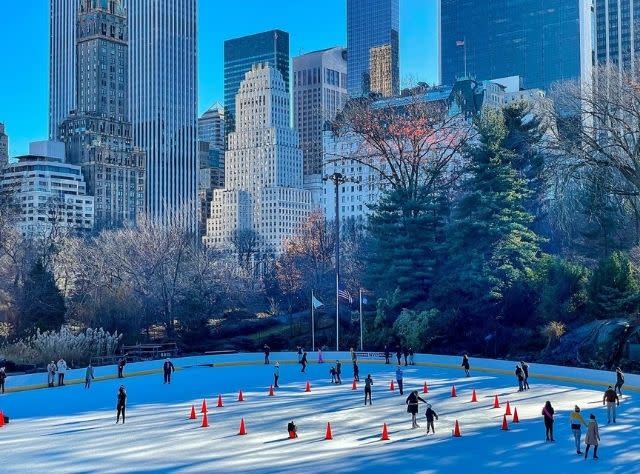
point(619, 380)
point(547, 413)
point(121, 363)
point(320, 359)
point(267, 351)
point(520, 377)
point(3, 378)
point(430, 414)
point(168, 368)
point(332, 371)
point(356, 372)
point(368, 382)
point(412, 407)
point(88, 376)
point(592, 438)
point(62, 369)
point(338, 371)
point(398, 355)
point(303, 361)
point(387, 354)
point(399, 378)
point(122, 403)
point(576, 425)
point(611, 399)
point(465, 364)
point(51, 373)
point(276, 374)
point(525, 371)
point(411, 361)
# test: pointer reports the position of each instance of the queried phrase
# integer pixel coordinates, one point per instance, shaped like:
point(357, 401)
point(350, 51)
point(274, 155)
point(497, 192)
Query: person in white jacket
point(51, 373)
point(62, 369)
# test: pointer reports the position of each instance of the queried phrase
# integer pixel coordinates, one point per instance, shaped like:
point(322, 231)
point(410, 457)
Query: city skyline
point(24, 96)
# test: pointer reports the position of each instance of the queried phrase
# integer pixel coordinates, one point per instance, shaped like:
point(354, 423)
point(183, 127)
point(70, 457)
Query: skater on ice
point(592, 438)
point(61, 367)
point(619, 380)
point(267, 351)
point(547, 413)
point(611, 399)
point(368, 382)
point(276, 374)
point(525, 371)
point(88, 376)
point(466, 365)
point(399, 378)
point(412, 407)
point(121, 363)
point(51, 373)
point(576, 426)
point(168, 369)
point(303, 361)
point(431, 415)
point(122, 403)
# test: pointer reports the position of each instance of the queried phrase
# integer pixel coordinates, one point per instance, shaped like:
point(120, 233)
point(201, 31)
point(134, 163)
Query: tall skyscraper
point(263, 176)
point(163, 101)
point(381, 67)
point(211, 138)
point(617, 32)
point(211, 129)
point(4, 146)
point(319, 93)
point(543, 41)
point(62, 62)
point(240, 54)
point(370, 24)
point(98, 134)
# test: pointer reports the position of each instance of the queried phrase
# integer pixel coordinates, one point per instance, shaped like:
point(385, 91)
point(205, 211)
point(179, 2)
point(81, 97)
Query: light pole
point(338, 179)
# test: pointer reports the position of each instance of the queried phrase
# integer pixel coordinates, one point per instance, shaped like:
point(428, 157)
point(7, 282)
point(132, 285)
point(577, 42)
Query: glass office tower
point(371, 24)
point(618, 32)
point(270, 47)
point(543, 41)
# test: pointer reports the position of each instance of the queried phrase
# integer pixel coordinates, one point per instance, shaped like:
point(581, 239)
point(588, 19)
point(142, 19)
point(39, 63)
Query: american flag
point(345, 295)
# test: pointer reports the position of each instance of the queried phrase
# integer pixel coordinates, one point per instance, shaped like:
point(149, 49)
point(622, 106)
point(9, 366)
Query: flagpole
point(465, 57)
point(313, 325)
point(337, 311)
point(361, 320)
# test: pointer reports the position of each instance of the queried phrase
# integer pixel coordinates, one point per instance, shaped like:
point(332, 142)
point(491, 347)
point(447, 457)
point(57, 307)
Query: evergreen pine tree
point(613, 288)
point(42, 302)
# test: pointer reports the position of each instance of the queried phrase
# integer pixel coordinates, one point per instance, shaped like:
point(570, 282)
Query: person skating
point(411, 361)
point(619, 380)
point(303, 361)
point(292, 429)
point(62, 370)
point(387, 354)
point(3, 378)
point(354, 357)
point(525, 371)
point(276, 374)
point(405, 353)
point(399, 378)
point(611, 399)
point(520, 377)
point(430, 414)
point(167, 369)
point(88, 376)
point(299, 354)
point(338, 371)
point(320, 359)
point(51, 373)
point(547, 413)
point(576, 425)
point(399, 355)
point(412, 407)
point(466, 365)
point(267, 351)
point(368, 382)
point(592, 438)
point(356, 372)
point(122, 403)
point(121, 363)
point(332, 371)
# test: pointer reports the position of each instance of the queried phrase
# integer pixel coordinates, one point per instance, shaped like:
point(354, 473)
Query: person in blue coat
point(399, 379)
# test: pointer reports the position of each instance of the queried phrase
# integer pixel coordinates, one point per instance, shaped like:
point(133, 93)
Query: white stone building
point(263, 169)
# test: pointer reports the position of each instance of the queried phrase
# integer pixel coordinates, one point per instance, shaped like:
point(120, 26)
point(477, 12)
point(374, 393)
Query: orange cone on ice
point(496, 402)
point(505, 425)
point(508, 411)
point(474, 398)
point(243, 431)
point(328, 434)
point(456, 430)
point(308, 387)
point(392, 387)
point(353, 385)
point(193, 413)
point(205, 421)
point(271, 390)
point(1, 419)
point(385, 433)
point(204, 406)
point(220, 405)
point(240, 396)
point(453, 392)
point(425, 389)
point(515, 416)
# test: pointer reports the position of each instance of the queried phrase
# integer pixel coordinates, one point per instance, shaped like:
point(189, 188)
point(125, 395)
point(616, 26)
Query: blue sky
point(24, 36)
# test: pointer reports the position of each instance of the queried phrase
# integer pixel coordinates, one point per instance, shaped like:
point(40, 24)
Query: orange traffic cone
point(220, 401)
point(243, 431)
point(204, 406)
point(328, 434)
point(271, 391)
point(1, 419)
point(474, 398)
point(308, 387)
point(508, 411)
point(193, 413)
point(515, 416)
point(392, 387)
point(496, 402)
point(425, 389)
point(505, 425)
point(385, 433)
point(456, 430)
point(453, 392)
point(240, 397)
point(205, 421)
point(353, 385)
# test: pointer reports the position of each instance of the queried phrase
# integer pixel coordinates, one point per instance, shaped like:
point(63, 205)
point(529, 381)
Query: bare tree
point(245, 243)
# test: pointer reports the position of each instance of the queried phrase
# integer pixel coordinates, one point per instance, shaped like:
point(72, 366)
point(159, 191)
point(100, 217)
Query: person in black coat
point(412, 407)
point(267, 351)
point(399, 355)
point(387, 354)
point(121, 363)
point(525, 371)
point(3, 377)
point(547, 413)
point(303, 361)
point(619, 380)
point(356, 372)
point(405, 353)
point(520, 377)
point(430, 414)
point(122, 403)
point(292, 429)
point(368, 382)
point(466, 365)
point(168, 369)
point(338, 371)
